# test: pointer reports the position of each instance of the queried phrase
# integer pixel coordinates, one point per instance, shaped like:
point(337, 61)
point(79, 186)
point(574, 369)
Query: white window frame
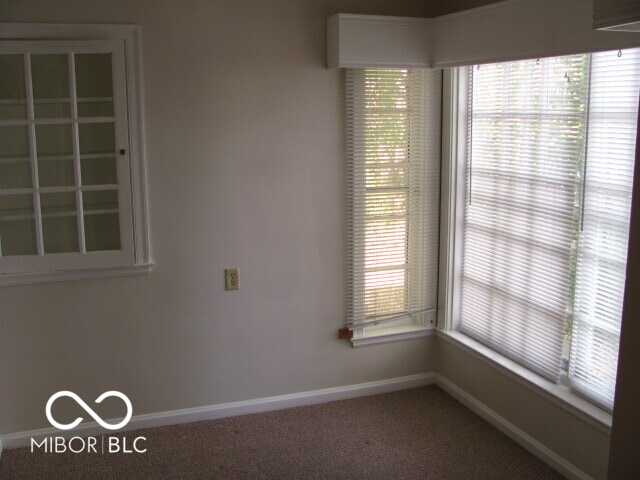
point(454, 148)
point(139, 263)
point(480, 35)
point(403, 325)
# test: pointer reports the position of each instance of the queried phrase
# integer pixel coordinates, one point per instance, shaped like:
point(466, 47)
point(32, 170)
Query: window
point(393, 128)
point(549, 170)
point(71, 176)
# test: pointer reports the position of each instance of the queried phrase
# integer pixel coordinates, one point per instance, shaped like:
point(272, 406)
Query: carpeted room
point(407, 434)
point(241, 130)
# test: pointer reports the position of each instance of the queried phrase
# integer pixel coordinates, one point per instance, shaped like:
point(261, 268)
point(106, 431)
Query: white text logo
point(89, 410)
point(100, 445)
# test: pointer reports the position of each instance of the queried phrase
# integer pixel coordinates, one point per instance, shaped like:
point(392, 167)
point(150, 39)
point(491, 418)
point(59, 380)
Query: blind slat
point(393, 131)
point(602, 247)
point(549, 179)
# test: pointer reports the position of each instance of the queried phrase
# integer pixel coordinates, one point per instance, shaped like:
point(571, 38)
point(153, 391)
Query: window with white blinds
point(604, 232)
point(550, 157)
point(393, 130)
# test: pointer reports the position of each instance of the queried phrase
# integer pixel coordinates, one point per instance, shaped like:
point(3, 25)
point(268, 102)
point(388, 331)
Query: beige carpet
point(420, 433)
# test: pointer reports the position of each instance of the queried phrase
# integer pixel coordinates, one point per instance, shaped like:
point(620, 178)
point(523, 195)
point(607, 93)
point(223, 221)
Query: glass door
point(64, 173)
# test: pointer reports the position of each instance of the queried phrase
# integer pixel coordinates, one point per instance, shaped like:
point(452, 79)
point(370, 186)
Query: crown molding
point(509, 30)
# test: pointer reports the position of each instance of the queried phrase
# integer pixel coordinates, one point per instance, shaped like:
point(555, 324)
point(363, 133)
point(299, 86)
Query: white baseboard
point(510, 430)
point(212, 412)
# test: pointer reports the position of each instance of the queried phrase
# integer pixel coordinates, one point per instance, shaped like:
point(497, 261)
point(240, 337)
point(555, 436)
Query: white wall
point(245, 153)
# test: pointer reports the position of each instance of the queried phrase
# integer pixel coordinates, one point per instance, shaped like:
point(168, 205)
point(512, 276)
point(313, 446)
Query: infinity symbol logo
point(89, 410)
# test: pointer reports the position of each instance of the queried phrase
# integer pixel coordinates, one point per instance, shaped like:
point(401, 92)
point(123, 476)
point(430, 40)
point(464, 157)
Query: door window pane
point(17, 226)
point(102, 232)
point(95, 108)
point(100, 200)
point(59, 222)
point(56, 173)
point(94, 85)
point(51, 109)
point(13, 98)
point(99, 171)
point(55, 159)
point(50, 76)
point(15, 166)
point(101, 220)
point(14, 141)
point(54, 140)
point(93, 75)
point(15, 174)
point(97, 138)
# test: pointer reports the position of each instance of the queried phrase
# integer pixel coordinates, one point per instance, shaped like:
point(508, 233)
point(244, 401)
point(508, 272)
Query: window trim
point(390, 333)
point(407, 325)
point(454, 134)
point(130, 36)
point(559, 394)
point(452, 184)
point(454, 144)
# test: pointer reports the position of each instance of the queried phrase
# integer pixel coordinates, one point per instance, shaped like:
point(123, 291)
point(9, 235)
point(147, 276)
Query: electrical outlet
point(231, 279)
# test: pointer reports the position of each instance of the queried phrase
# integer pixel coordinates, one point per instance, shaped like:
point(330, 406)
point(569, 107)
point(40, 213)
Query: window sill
point(378, 335)
point(67, 275)
point(561, 395)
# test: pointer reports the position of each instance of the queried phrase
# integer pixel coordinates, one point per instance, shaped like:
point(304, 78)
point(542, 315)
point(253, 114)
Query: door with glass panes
point(65, 194)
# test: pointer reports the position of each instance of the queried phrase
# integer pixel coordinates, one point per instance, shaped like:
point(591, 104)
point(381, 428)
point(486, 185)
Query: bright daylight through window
point(393, 129)
point(541, 248)
point(549, 170)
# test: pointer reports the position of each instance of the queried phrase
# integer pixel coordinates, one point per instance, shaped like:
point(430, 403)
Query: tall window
point(393, 128)
point(547, 202)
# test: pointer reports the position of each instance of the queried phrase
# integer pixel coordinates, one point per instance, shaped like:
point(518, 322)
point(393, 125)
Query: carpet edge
point(519, 436)
point(230, 409)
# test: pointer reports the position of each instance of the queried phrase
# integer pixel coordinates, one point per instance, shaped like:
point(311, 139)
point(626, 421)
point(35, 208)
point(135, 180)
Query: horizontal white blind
point(602, 248)
point(526, 144)
point(393, 131)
